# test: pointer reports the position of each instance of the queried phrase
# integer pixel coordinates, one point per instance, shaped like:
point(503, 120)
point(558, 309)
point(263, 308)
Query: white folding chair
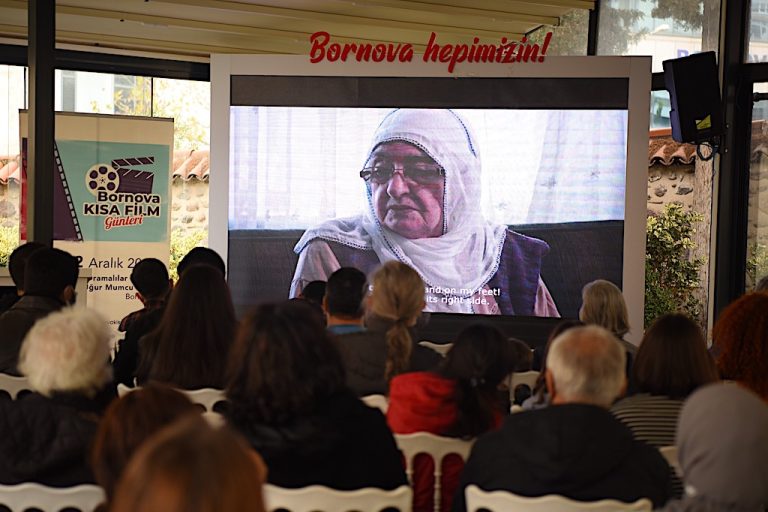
point(205, 397)
point(317, 498)
point(670, 454)
point(440, 348)
point(12, 384)
point(19, 498)
point(123, 390)
point(514, 379)
point(378, 401)
point(503, 501)
point(436, 447)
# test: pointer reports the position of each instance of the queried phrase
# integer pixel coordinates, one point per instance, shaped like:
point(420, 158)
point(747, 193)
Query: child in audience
point(191, 467)
point(287, 396)
point(128, 422)
point(460, 399)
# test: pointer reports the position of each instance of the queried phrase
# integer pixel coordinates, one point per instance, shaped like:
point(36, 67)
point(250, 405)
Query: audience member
point(740, 341)
point(539, 396)
point(671, 363)
point(190, 346)
point(575, 447)
point(343, 302)
point(603, 304)
point(191, 467)
point(45, 436)
point(127, 423)
point(722, 441)
point(287, 395)
point(50, 277)
point(17, 262)
point(387, 348)
point(201, 256)
point(314, 292)
point(460, 399)
point(150, 280)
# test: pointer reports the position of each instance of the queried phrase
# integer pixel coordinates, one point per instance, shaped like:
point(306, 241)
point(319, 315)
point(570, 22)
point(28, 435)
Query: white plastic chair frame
point(13, 384)
point(378, 401)
point(205, 397)
point(435, 446)
point(670, 454)
point(50, 499)
point(324, 499)
point(440, 348)
point(498, 501)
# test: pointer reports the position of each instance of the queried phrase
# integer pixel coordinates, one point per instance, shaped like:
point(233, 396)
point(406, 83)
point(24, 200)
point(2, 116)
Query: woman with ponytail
point(388, 345)
point(460, 399)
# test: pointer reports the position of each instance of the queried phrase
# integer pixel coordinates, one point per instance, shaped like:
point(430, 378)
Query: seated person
point(459, 399)
point(286, 395)
point(45, 436)
point(17, 263)
point(202, 256)
point(422, 179)
point(388, 345)
point(150, 279)
point(343, 301)
point(722, 444)
point(50, 278)
point(603, 304)
point(575, 447)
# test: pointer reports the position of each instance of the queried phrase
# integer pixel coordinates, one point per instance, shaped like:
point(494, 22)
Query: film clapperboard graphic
point(114, 177)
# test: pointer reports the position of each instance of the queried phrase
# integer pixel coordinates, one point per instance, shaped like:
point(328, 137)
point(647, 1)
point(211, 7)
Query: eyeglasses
point(420, 173)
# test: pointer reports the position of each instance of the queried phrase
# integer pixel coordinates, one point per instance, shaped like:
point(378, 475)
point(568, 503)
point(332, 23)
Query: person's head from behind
point(397, 297)
point(672, 359)
point(127, 423)
point(586, 365)
point(741, 342)
point(722, 440)
point(150, 279)
point(17, 263)
point(67, 352)
point(282, 364)
point(202, 256)
point(344, 294)
point(314, 292)
point(479, 359)
point(416, 156)
point(191, 467)
point(603, 305)
point(51, 273)
point(522, 354)
point(196, 331)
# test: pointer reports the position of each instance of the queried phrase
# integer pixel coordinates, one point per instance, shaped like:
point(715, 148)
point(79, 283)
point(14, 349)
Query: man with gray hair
point(575, 447)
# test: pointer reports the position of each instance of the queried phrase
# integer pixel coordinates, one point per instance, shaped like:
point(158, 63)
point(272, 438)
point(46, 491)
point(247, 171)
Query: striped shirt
point(652, 419)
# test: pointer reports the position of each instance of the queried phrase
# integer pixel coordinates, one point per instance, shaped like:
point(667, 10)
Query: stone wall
point(189, 205)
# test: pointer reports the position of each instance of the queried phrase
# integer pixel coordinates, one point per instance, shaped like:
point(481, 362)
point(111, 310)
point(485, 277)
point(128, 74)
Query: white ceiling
point(194, 29)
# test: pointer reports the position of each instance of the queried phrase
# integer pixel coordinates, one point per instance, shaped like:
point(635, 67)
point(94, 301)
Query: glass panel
point(758, 32)
point(660, 110)
point(13, 91)
point(664, 29)
point(570, 37)
point(757, 226)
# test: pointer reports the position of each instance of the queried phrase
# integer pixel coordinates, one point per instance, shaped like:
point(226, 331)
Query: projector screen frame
point(637, 71)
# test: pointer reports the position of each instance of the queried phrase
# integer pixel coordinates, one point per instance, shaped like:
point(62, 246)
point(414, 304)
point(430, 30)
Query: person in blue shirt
point(343, 301)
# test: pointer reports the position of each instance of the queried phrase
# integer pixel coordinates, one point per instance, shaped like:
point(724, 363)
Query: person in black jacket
point(287, 396)
point(17, 263)
point(45, 436)
point(575, 448)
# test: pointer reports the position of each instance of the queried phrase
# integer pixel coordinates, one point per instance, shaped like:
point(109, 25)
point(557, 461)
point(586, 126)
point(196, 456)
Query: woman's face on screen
point(410, 200)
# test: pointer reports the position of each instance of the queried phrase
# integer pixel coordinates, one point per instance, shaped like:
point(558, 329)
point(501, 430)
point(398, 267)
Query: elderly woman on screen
point(422, 179)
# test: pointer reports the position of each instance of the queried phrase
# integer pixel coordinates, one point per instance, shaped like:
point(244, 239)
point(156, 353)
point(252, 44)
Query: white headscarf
point(467, 255)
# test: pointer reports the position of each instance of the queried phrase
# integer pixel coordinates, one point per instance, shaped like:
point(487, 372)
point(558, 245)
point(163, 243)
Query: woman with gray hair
point(45, 436)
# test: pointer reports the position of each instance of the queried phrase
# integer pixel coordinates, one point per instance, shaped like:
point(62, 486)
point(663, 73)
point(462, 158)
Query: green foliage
point(9, 240)
point(181, 243)
point(757, 264)
point(670, 275)
point(617, 29)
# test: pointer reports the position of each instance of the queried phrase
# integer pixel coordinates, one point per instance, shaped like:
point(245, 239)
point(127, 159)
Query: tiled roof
point(187, 165)
point(665, 151)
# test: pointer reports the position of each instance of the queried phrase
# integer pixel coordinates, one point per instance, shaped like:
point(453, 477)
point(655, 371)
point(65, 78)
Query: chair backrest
point(440, 348)
point(13, 385)
point(317, 498)
point(19, 498)
point(205, 397)
point(435, 446)
point(514, 379)
point(498, 501)
point(670, 454)
point(378, 401)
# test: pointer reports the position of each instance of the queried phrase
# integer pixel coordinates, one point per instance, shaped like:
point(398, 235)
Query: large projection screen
point(562, 146)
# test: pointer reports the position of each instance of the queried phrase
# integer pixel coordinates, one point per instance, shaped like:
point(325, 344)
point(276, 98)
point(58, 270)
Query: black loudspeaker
point(694, 94)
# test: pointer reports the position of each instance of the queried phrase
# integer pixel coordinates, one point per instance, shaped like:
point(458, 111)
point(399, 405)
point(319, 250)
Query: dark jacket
point(574, 450)
point(365, 355)
point(16, 323)
point(126, 362)
point(342, 444)
point(48, 440)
